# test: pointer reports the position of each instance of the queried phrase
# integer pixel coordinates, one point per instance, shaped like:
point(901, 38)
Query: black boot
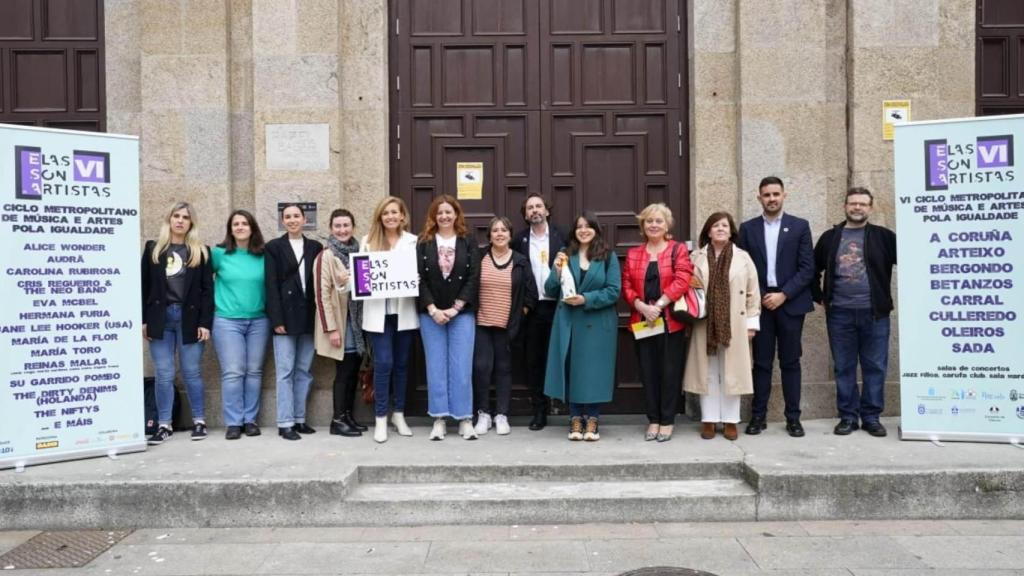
point(339, 427)
point(540, 419)
point(347, 417)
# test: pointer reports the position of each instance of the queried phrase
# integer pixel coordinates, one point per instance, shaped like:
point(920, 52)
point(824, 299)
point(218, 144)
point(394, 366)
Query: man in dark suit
point(539, 242)
point(780, 245)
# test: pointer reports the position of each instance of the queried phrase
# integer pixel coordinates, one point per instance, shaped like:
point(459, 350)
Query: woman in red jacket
point(656, 274)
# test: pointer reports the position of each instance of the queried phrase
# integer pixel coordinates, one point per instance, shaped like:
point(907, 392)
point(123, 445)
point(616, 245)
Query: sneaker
point(437, 432)
point(199, 431)
point(591, 435)
point(576, 428)
point(162, 433)
point(501, 425)
point(483, 422)
point(466, 429)
point(233, 433)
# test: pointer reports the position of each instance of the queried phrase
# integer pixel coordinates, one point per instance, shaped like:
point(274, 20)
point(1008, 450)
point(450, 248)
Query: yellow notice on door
point(469, 177)
point(894, 112)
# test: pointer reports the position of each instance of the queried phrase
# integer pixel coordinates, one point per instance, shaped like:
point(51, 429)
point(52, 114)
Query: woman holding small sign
point(339, 332)
point(449, 271)
point(581, 356)
point(718, 365)
point(657, 273)
point(177, 314)
point(390, 322)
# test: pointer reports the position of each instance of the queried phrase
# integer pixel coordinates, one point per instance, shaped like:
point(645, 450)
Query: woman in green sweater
point(240, 325)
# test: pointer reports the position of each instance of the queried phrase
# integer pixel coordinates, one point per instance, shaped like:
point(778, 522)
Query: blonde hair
point(376, 240)
point(196, 248)
point(651, 210)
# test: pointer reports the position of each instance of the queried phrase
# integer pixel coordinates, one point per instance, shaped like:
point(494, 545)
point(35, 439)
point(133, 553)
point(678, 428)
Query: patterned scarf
point(355, 307)
point(719, 331)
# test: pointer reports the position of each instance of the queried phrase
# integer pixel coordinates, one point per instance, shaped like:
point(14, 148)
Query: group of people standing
point(551, 292)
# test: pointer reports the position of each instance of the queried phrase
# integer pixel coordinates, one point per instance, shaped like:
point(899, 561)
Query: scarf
point(355, 307)
point(719, 330)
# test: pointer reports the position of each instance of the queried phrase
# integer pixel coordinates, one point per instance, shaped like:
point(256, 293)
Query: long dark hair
point(256, 243)
point(705, 233)
point(598, 250)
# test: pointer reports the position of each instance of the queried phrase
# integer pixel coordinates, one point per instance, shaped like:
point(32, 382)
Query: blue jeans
point(591, 410)
point(241, 344)
point(391, 350)
point(293, 355)
point(448, 353)
point(857, 335)
point(190, 356)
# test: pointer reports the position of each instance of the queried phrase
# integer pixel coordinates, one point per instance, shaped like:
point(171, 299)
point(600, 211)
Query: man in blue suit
point(780, 245)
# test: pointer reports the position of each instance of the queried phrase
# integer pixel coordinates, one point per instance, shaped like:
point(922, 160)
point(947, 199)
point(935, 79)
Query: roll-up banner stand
point(70, 322)
point(959, 193)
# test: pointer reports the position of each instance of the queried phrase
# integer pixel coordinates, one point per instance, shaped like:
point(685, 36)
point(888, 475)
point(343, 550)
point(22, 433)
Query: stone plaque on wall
point(300, 147)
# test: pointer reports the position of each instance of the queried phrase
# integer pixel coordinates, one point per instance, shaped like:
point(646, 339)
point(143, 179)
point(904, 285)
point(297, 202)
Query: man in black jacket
point(857, 259)
point(539, 243)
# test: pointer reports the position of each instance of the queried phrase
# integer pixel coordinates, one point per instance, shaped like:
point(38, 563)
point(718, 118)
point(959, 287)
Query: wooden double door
point(581, 100)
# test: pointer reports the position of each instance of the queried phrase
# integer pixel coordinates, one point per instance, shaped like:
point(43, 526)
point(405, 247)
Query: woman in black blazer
point(177, 314)
point(508, 292)
point(449, 272)
point(290, 307)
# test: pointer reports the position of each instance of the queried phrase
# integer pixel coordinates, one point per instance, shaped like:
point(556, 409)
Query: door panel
point(578, 99)
point(1000, 57)
point(52, 64)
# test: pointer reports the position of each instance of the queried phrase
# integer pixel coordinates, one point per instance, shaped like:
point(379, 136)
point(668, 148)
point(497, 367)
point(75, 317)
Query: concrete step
point(482, 473)
point(549, 502)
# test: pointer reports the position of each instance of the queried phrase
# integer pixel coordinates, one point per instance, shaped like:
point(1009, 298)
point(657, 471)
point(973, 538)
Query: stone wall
point(786, 87)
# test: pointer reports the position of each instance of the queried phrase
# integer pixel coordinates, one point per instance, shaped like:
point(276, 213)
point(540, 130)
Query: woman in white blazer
point(390, 322)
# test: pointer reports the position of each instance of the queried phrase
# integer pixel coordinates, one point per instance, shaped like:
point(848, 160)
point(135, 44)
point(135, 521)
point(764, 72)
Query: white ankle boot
point(380, 429)
point(439, 429)
point(466, 429)
point(501, 424)
point(398, 419)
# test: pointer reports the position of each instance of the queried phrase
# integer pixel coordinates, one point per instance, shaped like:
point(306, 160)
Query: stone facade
point(786, 87)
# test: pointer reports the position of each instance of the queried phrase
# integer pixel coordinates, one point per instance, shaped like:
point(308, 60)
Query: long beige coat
point(331, 305)
point(744, 303)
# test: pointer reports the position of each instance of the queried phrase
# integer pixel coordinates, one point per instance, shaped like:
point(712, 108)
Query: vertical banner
point(960, 221)
point(71, 360)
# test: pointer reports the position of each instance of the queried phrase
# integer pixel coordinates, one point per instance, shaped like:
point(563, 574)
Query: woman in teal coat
point(581, 356)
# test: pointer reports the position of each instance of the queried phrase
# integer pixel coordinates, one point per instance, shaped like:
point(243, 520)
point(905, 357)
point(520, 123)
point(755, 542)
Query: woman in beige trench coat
point(718, 361)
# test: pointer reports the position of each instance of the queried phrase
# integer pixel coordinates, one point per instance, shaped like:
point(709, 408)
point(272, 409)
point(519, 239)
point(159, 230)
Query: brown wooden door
point(582, 100)
point(1000, 57)
point(51, 64)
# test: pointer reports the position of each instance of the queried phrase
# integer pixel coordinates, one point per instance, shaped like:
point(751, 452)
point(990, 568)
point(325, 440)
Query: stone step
point(650, 471)
point(553, 502)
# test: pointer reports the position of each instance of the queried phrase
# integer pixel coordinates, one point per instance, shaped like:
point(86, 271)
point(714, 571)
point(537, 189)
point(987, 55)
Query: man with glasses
point(856, 258)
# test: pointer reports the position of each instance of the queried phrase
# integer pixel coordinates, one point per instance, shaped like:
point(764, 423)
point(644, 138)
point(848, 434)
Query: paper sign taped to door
point(469, 178)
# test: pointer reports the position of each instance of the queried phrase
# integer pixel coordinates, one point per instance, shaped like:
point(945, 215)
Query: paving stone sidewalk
point(839, 548)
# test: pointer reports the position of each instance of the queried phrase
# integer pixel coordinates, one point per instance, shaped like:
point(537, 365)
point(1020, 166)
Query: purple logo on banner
point(91, 166)
point(361, 266)
point(995, 151)
point(936, 165)
point(28, 172)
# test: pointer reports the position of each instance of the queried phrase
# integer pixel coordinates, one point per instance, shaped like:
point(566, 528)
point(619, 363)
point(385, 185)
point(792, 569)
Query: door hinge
point(397, 28)
point(398, 132)
point(679, 80)
point(398, 83)
point(679, 23)
point(398, 150)
point(680, 148)
point(680, 129)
